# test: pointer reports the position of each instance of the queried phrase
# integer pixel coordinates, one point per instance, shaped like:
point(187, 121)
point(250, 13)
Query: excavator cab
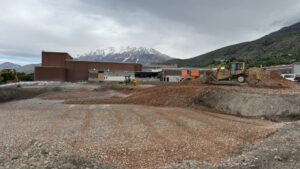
point(237, 68)
point(127, 79)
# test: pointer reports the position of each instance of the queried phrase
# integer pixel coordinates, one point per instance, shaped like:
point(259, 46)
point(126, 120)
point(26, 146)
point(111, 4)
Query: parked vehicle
point(292, 77)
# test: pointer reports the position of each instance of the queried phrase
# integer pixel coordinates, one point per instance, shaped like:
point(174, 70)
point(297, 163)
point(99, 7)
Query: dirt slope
point(271, 106)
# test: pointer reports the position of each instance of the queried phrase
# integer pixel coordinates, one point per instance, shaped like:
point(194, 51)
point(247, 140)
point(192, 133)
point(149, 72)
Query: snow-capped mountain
point(126, 54)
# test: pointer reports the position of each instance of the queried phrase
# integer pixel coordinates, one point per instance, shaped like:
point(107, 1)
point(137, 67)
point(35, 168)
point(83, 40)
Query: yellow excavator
point(4, 73)
point(129, 81)
point(233, 74)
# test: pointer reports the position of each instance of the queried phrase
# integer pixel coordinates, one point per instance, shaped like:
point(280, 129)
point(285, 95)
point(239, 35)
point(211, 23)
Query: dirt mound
point(169, 94)
point(269, 79)
point(41, 154)
point(180, 94)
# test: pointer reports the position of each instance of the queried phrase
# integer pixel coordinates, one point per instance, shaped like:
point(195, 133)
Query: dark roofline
point(55, 52)
point(64, 53)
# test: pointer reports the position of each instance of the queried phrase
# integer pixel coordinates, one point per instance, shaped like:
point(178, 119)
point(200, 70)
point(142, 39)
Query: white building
point(296, 68)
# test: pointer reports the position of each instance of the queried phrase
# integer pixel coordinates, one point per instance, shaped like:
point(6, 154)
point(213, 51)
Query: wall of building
point(280, 69)
point(296, 68)
point(54, 59)
point(172, 78)
point(115, 78)
point(172, 72)
point(50, 74)
point(78, 70)
point(152, 67)
point(65, 68)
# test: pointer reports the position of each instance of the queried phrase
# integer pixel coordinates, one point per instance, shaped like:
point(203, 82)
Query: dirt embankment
point(271, 106)
point(11, 93)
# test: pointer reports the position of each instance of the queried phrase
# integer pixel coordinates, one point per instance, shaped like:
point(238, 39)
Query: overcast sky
point(178, 28)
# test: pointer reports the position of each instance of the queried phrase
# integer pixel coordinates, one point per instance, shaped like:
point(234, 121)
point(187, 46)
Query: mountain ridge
point(9, 65)
point(292, 28)
point(28, 69)
point(279, 47)
point(126, 55)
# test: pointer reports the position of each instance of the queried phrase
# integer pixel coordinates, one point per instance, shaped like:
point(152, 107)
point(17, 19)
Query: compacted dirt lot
point(127, 136)
point(91, 125)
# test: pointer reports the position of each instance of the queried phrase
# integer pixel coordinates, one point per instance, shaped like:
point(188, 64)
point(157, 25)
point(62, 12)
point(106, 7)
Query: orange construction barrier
point(195, 73)
point(185, 73)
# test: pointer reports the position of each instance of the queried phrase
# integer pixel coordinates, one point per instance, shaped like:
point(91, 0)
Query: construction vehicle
point(8, 76)
point(233, 74)
point(129, 81)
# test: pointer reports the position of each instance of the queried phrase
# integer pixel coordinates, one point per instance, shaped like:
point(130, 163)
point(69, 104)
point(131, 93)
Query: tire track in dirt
point(78, 143)
point(157, 137)
point(193, 133)
point(56, 124)
point(217, 121)
point(139, 151)
point(124, 153)
point(213, 124)
point(226, 129)
point(123, 130)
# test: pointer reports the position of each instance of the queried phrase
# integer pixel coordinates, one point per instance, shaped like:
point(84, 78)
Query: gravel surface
point(281, 150)
point(42, 154)
point(128, 136)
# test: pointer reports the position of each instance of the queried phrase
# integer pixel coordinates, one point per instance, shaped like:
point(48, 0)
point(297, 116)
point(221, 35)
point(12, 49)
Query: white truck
point(292, 77)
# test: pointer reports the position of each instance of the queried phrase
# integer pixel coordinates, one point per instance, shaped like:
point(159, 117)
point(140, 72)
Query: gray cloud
point(179, 28)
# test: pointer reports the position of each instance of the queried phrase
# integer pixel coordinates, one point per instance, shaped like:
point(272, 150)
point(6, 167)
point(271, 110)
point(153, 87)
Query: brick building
point(58, 66)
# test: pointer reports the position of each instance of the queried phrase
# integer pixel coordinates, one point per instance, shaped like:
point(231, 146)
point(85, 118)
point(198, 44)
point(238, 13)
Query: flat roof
point(62, 53)
point(56, 52)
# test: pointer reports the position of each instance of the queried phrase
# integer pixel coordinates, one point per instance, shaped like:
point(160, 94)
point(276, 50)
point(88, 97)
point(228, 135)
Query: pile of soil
point(169, 94)
point(180, 94)
point(42, 154)
point(269, 79)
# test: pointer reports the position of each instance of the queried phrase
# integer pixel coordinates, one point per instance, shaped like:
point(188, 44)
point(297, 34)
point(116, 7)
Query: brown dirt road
point(129, 136)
